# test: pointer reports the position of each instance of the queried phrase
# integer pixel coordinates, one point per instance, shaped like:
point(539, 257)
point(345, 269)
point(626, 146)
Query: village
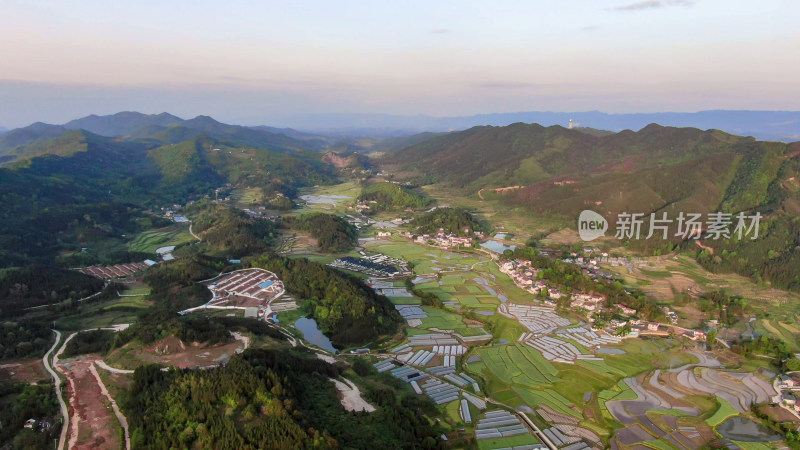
point(624, 321)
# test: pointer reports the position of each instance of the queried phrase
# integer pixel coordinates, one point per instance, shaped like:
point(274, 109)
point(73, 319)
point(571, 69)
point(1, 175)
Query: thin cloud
point(440, 31)
point(589, 28)
point(651, 4)
point(507, 85)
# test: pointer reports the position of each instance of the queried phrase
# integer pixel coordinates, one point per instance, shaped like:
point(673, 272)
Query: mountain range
point(57, 174)
point(555, 172)
point(764, 125)
point(155, 129)
point(63, 186)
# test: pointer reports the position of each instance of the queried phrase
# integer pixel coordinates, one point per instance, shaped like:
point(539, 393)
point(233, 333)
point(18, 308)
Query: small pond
point(497, 247)
point(313, 335)
point(610, 351)
point(326, 199)
point(744, 429)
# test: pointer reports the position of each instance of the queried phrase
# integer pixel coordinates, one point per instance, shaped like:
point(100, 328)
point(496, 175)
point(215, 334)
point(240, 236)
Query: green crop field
point(351, 190)
point(452, 279)
point(507, 442)
point(443, 320)
point(137, 291)
point(725, 410)
point(513, 365)
point(149, 241)
point(471, 331)
point(405, 300)
point(549, 397)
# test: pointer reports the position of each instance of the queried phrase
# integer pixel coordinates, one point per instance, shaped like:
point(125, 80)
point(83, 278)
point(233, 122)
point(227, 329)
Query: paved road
point(57, 384)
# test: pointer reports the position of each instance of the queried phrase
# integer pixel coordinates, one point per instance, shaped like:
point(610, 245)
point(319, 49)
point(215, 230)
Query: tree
point(711, 338)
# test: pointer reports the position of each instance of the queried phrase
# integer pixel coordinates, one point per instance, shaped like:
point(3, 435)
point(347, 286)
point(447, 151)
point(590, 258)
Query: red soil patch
point(779, 414)
point(24, 370)
point(171, 351)
point(92, 421)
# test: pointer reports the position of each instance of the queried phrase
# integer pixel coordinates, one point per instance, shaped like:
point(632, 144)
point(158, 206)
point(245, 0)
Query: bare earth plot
point(25, 370)
point(171, 351)
point(92, 423)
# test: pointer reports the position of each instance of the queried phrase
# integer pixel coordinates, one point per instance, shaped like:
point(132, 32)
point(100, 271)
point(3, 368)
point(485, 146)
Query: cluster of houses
point(635, 326)
point(787, 388)
point(260, 214)
point(589, 302)
point(525, 276)
point(592, 257)
point(173, 212)
point(671, 315)
point(440, 239)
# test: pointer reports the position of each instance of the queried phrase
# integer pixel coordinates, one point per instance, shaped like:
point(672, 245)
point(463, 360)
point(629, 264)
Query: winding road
point(57, 385)
point(194, 235)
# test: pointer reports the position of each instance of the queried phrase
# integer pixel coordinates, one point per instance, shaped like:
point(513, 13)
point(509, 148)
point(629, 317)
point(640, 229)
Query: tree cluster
point(345, 309)
point(333, 233)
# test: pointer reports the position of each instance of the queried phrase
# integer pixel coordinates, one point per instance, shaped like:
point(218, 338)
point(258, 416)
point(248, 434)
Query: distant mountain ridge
point(122, 123)
point(155, 129)
point(764, 125)
point(555, 172)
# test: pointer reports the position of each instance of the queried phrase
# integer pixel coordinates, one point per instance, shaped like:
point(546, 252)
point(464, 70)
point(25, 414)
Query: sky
point(251, 61)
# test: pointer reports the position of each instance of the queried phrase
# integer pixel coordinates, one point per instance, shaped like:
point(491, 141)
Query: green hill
point(333, 233)
point(522, 154)
point(122, 123)
point(557, 172)
point(391, 197)
point(450, 220)
point(229, 230)
point(55, 183)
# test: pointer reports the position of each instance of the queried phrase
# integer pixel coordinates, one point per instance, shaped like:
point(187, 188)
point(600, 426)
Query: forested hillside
point(79, 189)
point(231, 231)
point(556, 173)
point(346, 310)
point(524, 154)
point(266, 399)
point(333, 233)
point(391, 196)
point(449, 220)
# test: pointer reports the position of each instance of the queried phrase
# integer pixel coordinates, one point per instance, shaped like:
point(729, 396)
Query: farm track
point(57, 386)
point(123, 421)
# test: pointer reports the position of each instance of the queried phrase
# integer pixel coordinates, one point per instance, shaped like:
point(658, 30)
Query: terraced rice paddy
point(149, 241)
point(537, 319)
point(516, 364)
point(467, 278)
point(783, 331)
point(741, 390)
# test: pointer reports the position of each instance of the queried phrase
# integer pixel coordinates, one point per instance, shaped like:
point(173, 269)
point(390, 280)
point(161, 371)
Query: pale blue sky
point(244, 61)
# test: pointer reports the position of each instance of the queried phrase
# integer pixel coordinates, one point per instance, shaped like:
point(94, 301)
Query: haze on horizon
point(247, 62)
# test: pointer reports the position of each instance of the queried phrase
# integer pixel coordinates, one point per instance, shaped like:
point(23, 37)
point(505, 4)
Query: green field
point(725, 410)
point(443, 320)
point(149, 241)
point(518, 364)
point(507, 442)
point(349, 189)
point(247, 196)
point(136, 291)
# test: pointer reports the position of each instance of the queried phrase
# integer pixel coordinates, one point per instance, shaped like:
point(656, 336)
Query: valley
point(258, 295)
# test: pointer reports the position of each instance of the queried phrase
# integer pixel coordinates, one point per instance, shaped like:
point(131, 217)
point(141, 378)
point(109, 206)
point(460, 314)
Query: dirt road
point(57, 383)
